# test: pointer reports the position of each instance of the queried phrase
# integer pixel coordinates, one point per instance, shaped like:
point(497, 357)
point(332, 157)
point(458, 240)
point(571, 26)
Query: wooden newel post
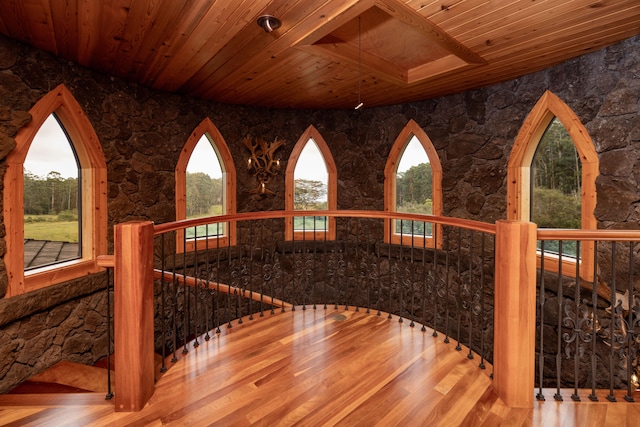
point(515, 313)
point(133, 315)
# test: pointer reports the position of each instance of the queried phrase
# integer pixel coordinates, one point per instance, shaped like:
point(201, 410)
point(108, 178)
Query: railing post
point(515, 313)
point(133, 315)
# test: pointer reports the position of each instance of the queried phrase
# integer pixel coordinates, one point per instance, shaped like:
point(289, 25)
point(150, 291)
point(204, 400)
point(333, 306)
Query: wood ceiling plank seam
point(292, 35)
point(568, 43)
point(3, 27)
point(172, 30)
point(435, 33)
point(152, 46)
point(343, 76)
point(45, 25)
point(456, 23)
point(525, 26)
point(18, 25)
point(301, 68)
point(244, 41)
point(519, 43)
point(113, 20)
point(438, 11)
point(343, 85)
point(200, 45)
point(299, 85)
point(88, 29)
point(348, 54)
point(65, 27)
point(232, 58)
point(139, 22)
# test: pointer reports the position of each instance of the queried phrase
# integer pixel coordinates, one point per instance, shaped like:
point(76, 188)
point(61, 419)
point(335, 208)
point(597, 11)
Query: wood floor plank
point(311, 367)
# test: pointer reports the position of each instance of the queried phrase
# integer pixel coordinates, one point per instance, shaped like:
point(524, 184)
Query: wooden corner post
point(515, 313)
point(133, 315)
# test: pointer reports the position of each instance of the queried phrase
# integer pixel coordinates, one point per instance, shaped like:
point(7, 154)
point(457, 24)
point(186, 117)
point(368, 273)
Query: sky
point(50, 151)
point(51, 143)
point(413, 155)
point(204, 159)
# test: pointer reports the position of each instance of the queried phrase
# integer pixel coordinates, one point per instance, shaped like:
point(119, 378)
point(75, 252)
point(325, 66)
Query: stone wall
point(142, 132)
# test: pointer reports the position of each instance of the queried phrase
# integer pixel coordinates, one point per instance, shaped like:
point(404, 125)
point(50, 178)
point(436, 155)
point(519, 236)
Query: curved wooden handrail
point(220, 287)
point(562, 234)
point(248, 216)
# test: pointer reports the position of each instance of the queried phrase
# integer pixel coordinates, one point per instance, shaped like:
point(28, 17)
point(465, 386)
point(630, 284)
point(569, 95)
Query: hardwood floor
point(315, 368)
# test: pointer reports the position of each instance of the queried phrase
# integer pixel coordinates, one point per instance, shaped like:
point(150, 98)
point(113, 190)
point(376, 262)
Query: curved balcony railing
point(442, 280)
point(470, 282)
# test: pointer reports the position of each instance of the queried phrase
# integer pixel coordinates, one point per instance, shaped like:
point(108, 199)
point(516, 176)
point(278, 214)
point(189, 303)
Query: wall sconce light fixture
point(263, 162)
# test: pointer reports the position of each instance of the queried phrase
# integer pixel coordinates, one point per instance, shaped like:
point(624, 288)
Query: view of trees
point(556, 178)
point(414, 195)
point(50, 195)
point(204, 198)
point(204, 195)
point(414, 188)
point(309, 195)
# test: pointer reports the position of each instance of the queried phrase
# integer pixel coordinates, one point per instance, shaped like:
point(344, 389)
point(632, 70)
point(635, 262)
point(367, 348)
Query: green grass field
point(58, 231)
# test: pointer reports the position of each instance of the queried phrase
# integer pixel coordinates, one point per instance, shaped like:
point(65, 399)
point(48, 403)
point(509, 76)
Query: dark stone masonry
point(142, 132)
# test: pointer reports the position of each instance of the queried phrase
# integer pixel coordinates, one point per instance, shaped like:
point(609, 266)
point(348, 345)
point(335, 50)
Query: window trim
point(519, 174)
point(93, 175)
point(332, 184)
point(410, 130)
point(228, 185)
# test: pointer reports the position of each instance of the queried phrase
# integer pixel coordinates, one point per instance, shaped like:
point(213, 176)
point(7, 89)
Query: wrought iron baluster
point(207, 283)
point(436, 282)
point(482, 293)
point(632, 324)
point(186, 295)
point(557, 395)
point(412, 277)
point(109, 394)
point(541, 301)
point(163, 333)
point(471, 295)
point(458, 295)
point(174, 313)
point(196, 287)
point(577, 327)
point(249, 282)
point(613, 321)
point(216, 294)
point(594, 322)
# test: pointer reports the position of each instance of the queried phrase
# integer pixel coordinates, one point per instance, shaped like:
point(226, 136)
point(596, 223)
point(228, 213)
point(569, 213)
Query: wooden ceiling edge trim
point(438, 68)
point(415, 20)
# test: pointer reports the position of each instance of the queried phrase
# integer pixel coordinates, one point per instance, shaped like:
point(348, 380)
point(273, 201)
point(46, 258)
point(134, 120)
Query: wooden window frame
point(519, 175)
point(393, 161)
point(93, 176)
point(332, 187)
point(206, 127)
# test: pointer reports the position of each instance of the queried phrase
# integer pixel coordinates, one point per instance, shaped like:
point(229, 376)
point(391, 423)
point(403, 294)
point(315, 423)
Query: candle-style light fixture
point(263, 162)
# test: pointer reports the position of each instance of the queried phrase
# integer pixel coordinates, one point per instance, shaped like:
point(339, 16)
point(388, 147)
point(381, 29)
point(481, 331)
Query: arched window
point(551, 125)
point(74, 188)
point(311, 184)
point(413, 184)
point(205, 186)
point(52, 225)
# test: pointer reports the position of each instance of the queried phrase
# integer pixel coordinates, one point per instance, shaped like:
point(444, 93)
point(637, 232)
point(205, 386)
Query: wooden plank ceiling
point(327, 53)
